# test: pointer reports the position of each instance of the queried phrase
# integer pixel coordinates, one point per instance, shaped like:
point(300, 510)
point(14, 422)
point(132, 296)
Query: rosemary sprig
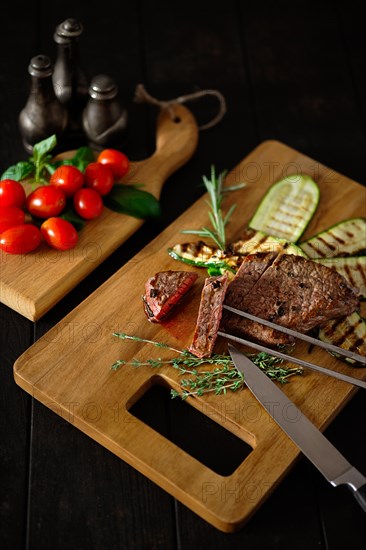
point(223, 377)
point(216, 193)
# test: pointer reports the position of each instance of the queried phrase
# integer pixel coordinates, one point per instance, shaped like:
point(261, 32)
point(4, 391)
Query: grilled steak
point(209, 316)
point(248, 274)
point(164, 290)
point(238, 290)
point(290, 291)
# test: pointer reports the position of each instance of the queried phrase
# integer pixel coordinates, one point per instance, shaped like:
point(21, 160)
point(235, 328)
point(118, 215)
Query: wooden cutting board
point(69, 368)
point(31, 284)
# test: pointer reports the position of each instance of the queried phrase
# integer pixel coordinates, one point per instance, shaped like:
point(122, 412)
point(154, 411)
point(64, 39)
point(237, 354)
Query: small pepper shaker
point(43, 114)
point(69, 81)
point(104, 118)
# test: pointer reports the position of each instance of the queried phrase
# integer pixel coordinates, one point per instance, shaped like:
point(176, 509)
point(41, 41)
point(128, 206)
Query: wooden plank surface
point(31, 284)
point(68, 369)
point(16, 332)
point(226, 46)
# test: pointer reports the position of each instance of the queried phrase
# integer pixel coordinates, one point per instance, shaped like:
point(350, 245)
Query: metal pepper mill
point(69, 80)
point(43, 114)
point(104, 118)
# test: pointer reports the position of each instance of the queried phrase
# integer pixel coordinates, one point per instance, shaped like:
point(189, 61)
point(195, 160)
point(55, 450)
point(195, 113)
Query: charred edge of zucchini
point(348, 333)
point(198, 263)
point(261, 242)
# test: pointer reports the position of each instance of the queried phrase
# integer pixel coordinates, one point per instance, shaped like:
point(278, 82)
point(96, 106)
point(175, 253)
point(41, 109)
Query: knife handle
point(360, 496)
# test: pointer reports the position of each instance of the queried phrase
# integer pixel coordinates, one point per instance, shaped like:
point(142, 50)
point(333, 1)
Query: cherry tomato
point(88, 203)
point(59, 233)
point(68, 178)
point(99, 177)
point(117, 161)
point(20, 239)
point(10, 216)
point(46, 201)
point(11, 193)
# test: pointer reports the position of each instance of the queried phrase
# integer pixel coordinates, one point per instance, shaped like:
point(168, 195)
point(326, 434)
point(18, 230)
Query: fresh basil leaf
point(127, 199)
point(18, 171)
point(62, 162)
point(83, 157)
point(51, 168)
point(73, 217)
point(43, 147)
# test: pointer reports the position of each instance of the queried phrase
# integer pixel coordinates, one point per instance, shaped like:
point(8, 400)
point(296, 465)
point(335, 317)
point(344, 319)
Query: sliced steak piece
point(293, 292)
point(209, 316)
point(164, 290)
point(247, 275)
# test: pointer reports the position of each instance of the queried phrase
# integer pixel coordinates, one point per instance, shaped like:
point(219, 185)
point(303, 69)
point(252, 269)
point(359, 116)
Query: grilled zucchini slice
point(347, 238)
point(352, 268)
point(348, 333)
point(201, 254)
point(287, 208)
point(260, 242)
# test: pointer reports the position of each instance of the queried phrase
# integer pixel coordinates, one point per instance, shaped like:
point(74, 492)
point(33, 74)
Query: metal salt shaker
point(69, 81)
point(104, 119)
point(43, 114)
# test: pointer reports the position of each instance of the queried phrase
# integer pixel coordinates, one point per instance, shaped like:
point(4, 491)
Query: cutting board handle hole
point(190, 430)
point(177, 119)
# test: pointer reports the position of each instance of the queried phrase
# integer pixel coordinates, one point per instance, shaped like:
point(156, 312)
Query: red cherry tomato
point(88, 203)
point(117, 161)
point(59, 233)
point(20, 239)
point(99, 177)
point(68, 178)
point(11, 193)
point(46, 201)
point(10, 216)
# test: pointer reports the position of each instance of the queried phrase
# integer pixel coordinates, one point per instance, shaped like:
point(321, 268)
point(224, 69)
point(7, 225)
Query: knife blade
point(314, 445)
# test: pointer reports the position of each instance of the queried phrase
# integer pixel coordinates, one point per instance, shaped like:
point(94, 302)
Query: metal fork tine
point(296, 360)
point(329, 347)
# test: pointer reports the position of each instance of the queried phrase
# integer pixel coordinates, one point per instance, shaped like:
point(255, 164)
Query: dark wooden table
point(292, 71)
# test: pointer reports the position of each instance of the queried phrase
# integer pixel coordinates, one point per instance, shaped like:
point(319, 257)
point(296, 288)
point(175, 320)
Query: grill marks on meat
point(238, 294)
point(290, 291)
point(209, 316)
point(247, 275)
point(164, 290)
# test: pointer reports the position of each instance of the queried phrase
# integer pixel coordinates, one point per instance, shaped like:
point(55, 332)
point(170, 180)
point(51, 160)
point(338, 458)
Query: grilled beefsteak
point(164, 290)
point(251, 270)
point(209, 316)
point(291, 291)
point(247, 275)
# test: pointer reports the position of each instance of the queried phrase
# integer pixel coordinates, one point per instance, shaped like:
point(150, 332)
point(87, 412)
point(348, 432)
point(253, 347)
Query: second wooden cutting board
point(69, 368)
point(32, 283)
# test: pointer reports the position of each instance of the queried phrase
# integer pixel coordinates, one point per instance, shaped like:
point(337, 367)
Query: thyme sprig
point(125, 336)
point(197, 382)
point(216, 192)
